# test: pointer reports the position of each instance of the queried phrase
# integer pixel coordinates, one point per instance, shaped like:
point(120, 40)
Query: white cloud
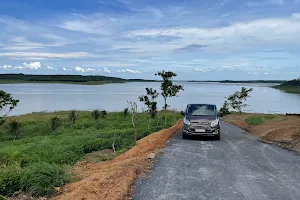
point(265, 3)
point(64, 69)
point(93, 27)
point(296, 16)
point(33, 65)
point(6, 66)
point(80, 69)
point(50, 68)
point(270, 29)
point(204, 70)
point(129, 71)
point(106, 70)
point(34, 55)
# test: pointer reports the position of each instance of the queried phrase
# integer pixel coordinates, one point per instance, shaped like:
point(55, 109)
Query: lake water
point(114, 97)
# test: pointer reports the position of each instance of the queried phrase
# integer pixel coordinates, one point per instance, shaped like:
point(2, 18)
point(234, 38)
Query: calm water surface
point(114, 97)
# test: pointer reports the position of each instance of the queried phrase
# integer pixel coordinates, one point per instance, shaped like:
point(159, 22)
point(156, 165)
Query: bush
point(98, 144)
point(125, 112)
point(103, 114)
point(225, 108)
point(255, 120)
point(2, 121)
point(95, 114)
point(40, 179)
point(14, 128)
point(72, 116)
point(54, 123)
point(9, 180)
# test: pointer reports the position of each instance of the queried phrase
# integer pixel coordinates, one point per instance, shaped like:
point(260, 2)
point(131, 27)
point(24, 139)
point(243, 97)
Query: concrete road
point(236, 167)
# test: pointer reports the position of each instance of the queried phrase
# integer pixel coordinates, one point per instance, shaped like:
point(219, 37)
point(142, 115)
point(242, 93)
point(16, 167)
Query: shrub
point(225, 108)
point(14, 128)
point(255, 120)
point(54, 123)
point(2, 121)
point(9, 180)
point(236, 100)
point(72, 116)
point(98, 144)
point(40, 179)
point(95, 114)
point(103, 114)
point(125, 112)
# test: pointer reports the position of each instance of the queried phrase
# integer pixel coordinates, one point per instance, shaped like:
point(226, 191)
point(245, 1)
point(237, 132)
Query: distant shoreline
point(288, 89)
point(100, 80)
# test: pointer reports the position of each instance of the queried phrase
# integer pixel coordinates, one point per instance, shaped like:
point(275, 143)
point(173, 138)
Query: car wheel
point(184, 136)
point(218, 137)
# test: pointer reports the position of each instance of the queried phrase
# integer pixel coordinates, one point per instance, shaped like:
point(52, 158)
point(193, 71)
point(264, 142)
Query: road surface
point(238, 166)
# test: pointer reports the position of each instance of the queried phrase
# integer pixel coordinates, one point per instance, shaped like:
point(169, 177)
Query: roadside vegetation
point(36, 153)
point(38, 150)
point(259, 119)
point(236, 101)
point(292, 86)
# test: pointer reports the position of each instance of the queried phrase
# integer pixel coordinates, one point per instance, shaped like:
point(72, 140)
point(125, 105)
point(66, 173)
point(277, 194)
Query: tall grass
point(36, 161)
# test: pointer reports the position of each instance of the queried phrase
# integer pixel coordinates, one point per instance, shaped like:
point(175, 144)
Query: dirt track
point(283, 131)
point(111, 180)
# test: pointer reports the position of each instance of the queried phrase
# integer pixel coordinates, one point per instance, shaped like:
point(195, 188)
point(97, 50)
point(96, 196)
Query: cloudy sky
point(197, 39)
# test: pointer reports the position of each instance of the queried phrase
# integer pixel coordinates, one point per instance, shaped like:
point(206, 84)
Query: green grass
point(39, 158)
point(259, 119)
point(288, 89)
point(269, 116)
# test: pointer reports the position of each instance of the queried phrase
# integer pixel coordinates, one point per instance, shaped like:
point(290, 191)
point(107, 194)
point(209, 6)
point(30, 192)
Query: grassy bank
point(38, 159)
point(288, 89)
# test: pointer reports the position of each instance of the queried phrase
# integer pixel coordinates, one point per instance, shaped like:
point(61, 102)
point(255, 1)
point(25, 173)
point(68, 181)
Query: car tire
point(218, 137)
point(184, 136)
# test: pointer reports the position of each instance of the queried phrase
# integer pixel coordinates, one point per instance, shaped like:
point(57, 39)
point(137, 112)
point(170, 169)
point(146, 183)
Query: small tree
point(72, 116)
point(225, 108)
point(7, 103)
point(54, 123)
point(149, 101)
point(103, 114)
point(236, 100)
point(133, 110)
point(125, 112)
point(14, 128)
point(168, 88)
point(96, 114)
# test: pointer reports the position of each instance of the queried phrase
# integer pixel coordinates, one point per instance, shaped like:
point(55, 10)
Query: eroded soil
point(283, 131)
point(112, 180)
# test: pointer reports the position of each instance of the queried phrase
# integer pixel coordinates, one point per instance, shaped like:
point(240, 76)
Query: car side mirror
point(220, 114)
point(182, 113)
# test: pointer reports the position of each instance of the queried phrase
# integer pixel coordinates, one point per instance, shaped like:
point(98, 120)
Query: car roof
point(201, 104)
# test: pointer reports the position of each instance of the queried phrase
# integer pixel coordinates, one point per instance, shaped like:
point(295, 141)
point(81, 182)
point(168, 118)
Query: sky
point(197, 39)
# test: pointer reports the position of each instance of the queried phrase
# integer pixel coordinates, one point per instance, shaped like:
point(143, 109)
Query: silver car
point(201, 119)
